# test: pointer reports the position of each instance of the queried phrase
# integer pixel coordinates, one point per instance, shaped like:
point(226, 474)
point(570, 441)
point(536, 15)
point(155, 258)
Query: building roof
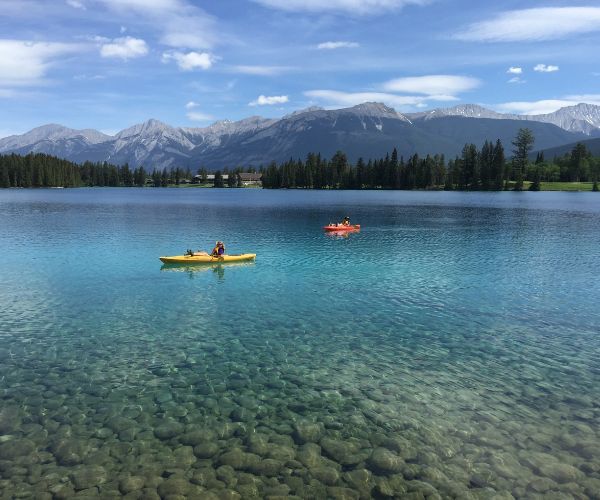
point(250, 176)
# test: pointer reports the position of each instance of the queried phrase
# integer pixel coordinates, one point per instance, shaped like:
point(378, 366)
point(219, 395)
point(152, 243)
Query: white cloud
point(546, 23)
point(545, 106)
point(181, 23)
point(335, 98)
point(191, 105)
point(260, 70)
point(85, 77)
point(516, 79)
point(542, 68)
point(191, 60)
point(402, 92)
point(150, 5)
point(24, 63)
point(337, 45)
point(124, 48)
point(353, 7)
point(76, 4)
point(439, 85)
point(123, 29)
point(514, 70)
point(263, 100)
point(589, 98)
point(197, 116)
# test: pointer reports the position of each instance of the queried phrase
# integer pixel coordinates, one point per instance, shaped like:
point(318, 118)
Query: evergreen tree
point(579, 163)
point(4, 178)
point(498, 166)
point(219, 179)
point(469, 163)
point(523, 143)
point(535, 181)
point(393, 170)
point(232, 180)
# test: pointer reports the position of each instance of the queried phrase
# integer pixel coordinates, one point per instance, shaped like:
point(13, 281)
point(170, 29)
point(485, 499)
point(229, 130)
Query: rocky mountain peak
point(151, 126)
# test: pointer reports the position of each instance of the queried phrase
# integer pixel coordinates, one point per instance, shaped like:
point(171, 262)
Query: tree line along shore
point(487, 168)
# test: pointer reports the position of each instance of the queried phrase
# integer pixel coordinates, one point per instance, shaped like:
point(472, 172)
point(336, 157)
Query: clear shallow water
point(450, 349)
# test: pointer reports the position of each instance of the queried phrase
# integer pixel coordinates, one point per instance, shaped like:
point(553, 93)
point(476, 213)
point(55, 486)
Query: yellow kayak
point(206, 258)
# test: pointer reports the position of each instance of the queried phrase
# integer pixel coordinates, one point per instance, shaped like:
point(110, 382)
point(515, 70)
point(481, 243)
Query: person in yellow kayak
point(219, 249)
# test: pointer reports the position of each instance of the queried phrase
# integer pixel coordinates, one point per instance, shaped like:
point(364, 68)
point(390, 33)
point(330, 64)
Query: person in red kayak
point(346, 221)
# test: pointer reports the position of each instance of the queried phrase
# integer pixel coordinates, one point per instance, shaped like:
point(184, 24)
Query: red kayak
point(340, 227)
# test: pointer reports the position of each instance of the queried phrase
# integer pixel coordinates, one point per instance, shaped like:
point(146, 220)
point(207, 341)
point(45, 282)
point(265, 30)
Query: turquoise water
point(448, 350)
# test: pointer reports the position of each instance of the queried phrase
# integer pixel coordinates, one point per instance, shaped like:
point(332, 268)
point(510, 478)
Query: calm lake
point(450, 349)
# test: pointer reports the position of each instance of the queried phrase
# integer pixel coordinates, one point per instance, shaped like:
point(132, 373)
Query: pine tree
point(4, 178)
point(219, 179)
point(498, 166)
point(523, 144)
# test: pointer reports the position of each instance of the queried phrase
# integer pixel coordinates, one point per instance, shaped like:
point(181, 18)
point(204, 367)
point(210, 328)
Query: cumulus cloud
point(337, 45)
point(124, 48)
point(545, 23)
point(514, 70)
point(542, 68)
point(516, 79)
point(438, 85)
point(263, 100)
point(25, 63)
point(191, 105)
point(190, 61)
point(353, 7)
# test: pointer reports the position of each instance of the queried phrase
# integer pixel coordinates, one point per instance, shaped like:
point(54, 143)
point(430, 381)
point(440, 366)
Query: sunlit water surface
point(448, 350)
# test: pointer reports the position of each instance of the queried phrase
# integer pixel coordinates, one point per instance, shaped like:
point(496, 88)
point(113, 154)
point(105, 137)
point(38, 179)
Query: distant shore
point(571, 187)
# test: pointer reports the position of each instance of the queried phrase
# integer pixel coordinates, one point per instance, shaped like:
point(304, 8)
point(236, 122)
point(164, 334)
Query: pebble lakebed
point(245, 416)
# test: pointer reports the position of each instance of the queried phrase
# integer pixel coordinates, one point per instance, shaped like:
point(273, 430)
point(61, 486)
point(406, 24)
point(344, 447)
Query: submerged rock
point(561, 473)
point(131, 483)
point(14, 448)
point(68, 451)
point(239, 459)
point(168, 430)
point(344, 452)
point(308, 432)
point(89, 477)
point(385, 461)
point(326, 475)
point(206, 450)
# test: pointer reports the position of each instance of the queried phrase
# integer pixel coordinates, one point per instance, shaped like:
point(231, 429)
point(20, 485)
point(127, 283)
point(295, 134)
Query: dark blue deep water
point(450, 349)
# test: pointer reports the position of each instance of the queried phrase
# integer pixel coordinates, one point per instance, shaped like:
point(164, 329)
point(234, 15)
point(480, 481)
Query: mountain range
point(369, 130)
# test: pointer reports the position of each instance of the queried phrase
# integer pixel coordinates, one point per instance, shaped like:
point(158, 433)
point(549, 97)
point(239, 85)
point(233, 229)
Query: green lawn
point(566, 186)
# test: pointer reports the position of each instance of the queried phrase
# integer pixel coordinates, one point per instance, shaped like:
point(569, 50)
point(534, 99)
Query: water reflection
point(193, 270)
point(342, 234)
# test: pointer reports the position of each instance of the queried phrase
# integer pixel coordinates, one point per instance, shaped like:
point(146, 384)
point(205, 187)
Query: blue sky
point(108, 64)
